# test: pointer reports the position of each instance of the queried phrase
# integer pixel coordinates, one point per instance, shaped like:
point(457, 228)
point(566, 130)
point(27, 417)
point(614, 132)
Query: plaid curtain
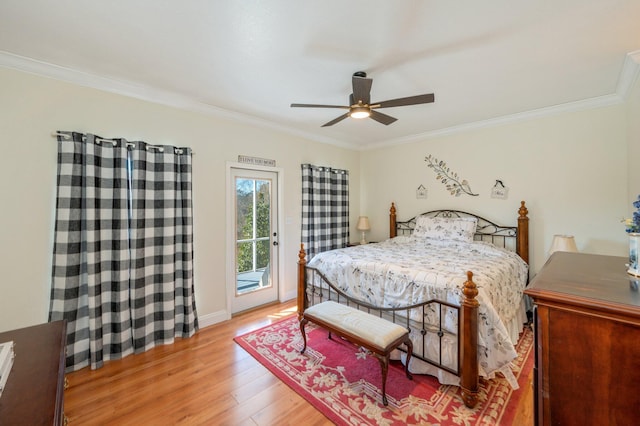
point(325, 209)
point(161, 246)
point(90, 284)
point(95, 266)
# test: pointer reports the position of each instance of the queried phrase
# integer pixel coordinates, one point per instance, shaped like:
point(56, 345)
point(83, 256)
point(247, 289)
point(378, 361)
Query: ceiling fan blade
point(382, 118)
point(336, 120)
point(318, 106)
point(411, 100)
point(361, 89)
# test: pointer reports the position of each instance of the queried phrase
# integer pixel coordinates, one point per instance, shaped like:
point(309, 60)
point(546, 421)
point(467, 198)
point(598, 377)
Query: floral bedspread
point(408, 270)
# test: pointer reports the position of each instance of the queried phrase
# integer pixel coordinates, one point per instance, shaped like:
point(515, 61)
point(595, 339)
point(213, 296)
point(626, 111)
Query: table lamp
point(363, 225)
point(563, 243)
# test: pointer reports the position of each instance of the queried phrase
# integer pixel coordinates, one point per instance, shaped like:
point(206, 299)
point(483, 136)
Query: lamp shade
point(363, 224)
point(563, 243)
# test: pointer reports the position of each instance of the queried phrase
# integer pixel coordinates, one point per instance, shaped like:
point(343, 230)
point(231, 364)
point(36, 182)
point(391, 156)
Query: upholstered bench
point(376, 334)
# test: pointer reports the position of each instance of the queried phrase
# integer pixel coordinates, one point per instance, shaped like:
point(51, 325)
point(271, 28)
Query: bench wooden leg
point(384, 366)
point(303, 322)
point(409, 346)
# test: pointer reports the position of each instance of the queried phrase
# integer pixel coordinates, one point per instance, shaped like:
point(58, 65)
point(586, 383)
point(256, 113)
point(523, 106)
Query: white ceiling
point(486, 61)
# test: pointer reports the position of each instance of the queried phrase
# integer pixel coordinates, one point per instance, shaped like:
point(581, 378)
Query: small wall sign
point(499, 190)
point(421, 192)
point(245, 159)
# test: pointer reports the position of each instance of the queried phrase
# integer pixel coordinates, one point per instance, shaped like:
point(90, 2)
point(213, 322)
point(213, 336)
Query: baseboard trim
point(217, 317)
point(289, 295)
point(213, 318)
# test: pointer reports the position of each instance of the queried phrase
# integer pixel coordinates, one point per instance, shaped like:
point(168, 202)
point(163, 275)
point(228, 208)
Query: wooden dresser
point(33, 394)
point(587, 337)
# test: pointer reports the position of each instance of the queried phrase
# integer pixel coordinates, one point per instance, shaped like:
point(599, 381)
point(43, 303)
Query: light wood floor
point(207, 379)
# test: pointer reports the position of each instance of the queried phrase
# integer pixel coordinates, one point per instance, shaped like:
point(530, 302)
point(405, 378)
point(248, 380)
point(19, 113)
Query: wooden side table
point(33, 394)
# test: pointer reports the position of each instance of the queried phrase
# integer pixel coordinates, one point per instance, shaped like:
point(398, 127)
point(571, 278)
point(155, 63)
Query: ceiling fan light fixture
point(360, 105)
point(359, 112)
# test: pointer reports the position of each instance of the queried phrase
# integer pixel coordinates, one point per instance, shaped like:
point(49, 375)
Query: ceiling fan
point(360, 105)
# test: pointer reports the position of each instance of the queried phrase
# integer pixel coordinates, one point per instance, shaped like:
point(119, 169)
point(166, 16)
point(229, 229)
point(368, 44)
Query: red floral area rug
point(344, 382)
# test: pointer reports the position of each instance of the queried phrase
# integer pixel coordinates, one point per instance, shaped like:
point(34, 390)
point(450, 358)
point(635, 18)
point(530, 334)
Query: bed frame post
point(392, 221)
point(522, 242)
point(302, 271)
point(469, 348)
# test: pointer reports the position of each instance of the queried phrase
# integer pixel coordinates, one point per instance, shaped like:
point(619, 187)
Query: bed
point(453, 278)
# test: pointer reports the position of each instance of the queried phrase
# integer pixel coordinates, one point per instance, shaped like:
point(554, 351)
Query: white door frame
point(230, 275)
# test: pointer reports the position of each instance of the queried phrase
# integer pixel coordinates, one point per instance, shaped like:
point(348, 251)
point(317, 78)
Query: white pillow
point(446, 229)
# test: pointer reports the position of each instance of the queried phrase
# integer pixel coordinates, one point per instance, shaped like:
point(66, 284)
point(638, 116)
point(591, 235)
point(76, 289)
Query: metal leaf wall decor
point(448, 178)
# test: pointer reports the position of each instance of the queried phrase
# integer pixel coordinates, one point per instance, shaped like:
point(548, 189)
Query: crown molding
point(628, 74)
point(149, 94)
point(628, 77)
point(599, 102)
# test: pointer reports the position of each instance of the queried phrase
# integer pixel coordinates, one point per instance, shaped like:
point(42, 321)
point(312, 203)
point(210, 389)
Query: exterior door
point(255, 201)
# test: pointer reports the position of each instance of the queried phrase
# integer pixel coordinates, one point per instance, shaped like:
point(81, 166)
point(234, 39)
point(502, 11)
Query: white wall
point(571, 169)
point(574, 170)
point(32, 107)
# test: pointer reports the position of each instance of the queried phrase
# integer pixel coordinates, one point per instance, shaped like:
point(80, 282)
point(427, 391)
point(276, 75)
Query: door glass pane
point(263, 209)
point(245, 257)
point(262, 254)
point(244, 208)
point(253, 228)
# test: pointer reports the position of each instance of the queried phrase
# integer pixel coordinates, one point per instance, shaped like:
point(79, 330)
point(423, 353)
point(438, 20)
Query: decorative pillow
point(446, 229)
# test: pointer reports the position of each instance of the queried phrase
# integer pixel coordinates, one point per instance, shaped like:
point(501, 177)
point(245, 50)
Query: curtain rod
point(115, 142)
